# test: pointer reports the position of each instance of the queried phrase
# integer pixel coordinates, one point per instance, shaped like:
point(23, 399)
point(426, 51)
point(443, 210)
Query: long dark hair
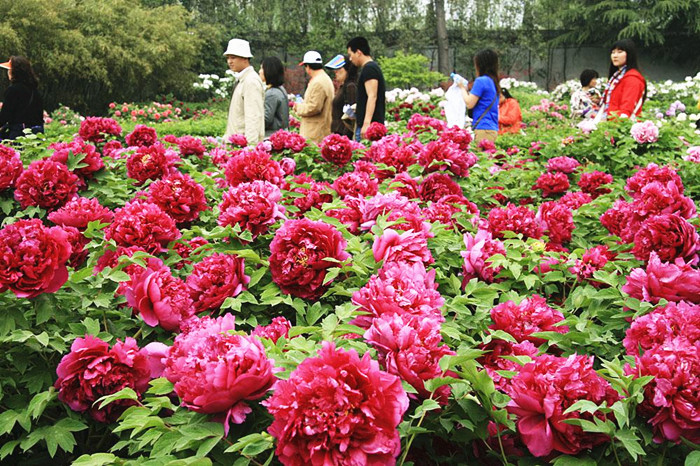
point(352, 72)
point(273, 70)
point(628, 46)
point(486, 63)
point(22, 72)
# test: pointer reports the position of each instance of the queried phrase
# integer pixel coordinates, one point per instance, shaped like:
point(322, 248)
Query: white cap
point(311, 57)
point(239, 48)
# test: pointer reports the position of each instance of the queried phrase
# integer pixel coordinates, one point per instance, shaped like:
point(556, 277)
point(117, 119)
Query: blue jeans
point(358, 132)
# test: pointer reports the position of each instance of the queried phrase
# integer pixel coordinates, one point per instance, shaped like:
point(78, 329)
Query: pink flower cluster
point(532, 315)
point(46, 184)
point(336, 149)
point(80, 211)
point(673, 281)
point(518, 219)
point(446, 155)
point(144, 224)
point(216, 278)
point(179, 196)
point(408, 247)
point(254, 206)
point(287, 140)
point(10, 167)
point(645, 132)
point(562, 164)
point(96, 129)
point(479, 249)
point(253, 164)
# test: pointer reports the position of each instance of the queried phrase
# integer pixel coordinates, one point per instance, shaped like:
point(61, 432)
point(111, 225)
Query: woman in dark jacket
point(346, 76)
point(22, 107)
point(276, 100)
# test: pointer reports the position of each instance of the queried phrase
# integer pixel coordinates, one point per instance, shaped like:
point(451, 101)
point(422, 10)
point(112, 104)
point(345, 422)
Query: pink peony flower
point(592, 260)
point(395, 151)
point(357, 184)
point(33, 258)
point(405, 185)
point(591, 182)
point(278, 328)
point(288, 166)
point(645, 132)
point(254, 206)
point(438, 185)
point(299, 257)
point(216, 278)
point(552, 183)
point(661, 198)
point(662, 325)
point(651, 173)
point(46, 184)
point(142, 136)
point(80, 211)
point(557, 221)
point(112, 149)
point(541, 392)
point(420, 123)
point(189, 145)
point(410, 347)
point(458, 136)
point(693, 154)
point(407, 214)
point(446, 155)
point(375, 131)
point(673, 281)
point(617, 220)
point(314, 194)
point(513, 218)
point(238, 140)
point(215, 371)
point(670, 236)
point(562, 164)
point(95, 129)
point(253, 164)
point(288, 140)
point(92, 370)
point(408, 247)
point(532, 315)
point(336, 149)
point(179, 196)
point(144, 224)
point(151, 163)
point(337, 409)
point(574, 200)
point(399, 288)
point(90, 159)
point(479, 249)
point(10, 167)
point(493, 361)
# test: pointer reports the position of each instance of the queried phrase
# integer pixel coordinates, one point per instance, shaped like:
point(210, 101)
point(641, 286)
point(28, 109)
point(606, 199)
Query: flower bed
point(414, 299)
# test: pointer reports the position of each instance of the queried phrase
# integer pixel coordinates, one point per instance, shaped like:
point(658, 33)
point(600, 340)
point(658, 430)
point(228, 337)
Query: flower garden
point(172, 299)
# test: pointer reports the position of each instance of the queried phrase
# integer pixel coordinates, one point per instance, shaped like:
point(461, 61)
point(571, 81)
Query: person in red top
point(626, 89)
point(509, 115)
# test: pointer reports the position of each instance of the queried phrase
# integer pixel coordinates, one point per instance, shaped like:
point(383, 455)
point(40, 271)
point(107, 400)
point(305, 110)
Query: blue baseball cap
point(336, 62)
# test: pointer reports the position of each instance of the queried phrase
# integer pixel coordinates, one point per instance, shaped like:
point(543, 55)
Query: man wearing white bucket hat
point(316, 110)
point(246, 114)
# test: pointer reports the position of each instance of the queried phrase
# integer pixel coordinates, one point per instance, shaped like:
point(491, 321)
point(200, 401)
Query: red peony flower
point(313, 194)
point(254, 206)
point(438, 185)
point(33, 258)
point(662, 325)
point(191, 146)
point(493, 361)
point(552, 183)
point(405, 185)
point(95, 129)
point(516, 219)
point(420, 123)
point(215, 371)
point(144, 224)
point(409, 247)
point(395, 151)
point(46, 184)
point(77, 242)
point(80, 211)
point(574, 200)
point(282, 140)
point(151, 163)
point(186, 248)
point(216, 278)
point(673, 281)
point(592, 260)
point(10, 167)
point(92, 370)
point(159, 298)
point(336, 149)
point(488, 146)
point(670, 236)
point(458, 136)
point(357, 184)
point(617, 220)
point(590, 183)
point(299, 253)
point(543, 390)
point(398, 288)
point(337, 409)
point(250, 165)
point(410, 347)
point(557, 221)
point(90, 159)
point(142, 136)
point(351, 215)
point(278, 328)
point(407, 214)
point(375, 131)
point(479, 249)
point(446, 155)
point(532, 315)
point(112, 149)
point(562, 164)
point(179, 196)
point(652, 173)
point(238, 140)
point(657, 198)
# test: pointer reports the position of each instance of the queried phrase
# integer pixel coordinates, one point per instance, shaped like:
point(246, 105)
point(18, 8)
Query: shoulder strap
point(483, 114)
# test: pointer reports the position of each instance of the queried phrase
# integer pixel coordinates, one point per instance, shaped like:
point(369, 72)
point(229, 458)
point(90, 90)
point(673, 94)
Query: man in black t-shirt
point(371, 89)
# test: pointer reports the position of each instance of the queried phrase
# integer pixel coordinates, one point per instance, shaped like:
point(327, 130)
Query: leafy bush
point(409, 70)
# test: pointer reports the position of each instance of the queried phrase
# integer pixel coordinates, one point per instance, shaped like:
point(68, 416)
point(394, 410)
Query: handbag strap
point(483, 114)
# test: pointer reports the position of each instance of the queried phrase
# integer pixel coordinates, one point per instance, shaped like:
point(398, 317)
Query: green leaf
point(160, 386)
point(566, 460)
point(693, 459)
point(427, 405)
point(123, 394)
point(39, 402)
point(97, 459)
point(584, 406)
point(630, 442)
point(253, 444)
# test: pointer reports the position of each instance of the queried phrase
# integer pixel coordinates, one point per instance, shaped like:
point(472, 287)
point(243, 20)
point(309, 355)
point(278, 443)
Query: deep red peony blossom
point(420, 123)
point(532, 315)
point(216, 278)
point(142, 136)
point(617, 220)
point(660, 326)
point(649, 174)
point(95, 129)
point(395, 151)
point(254, 206)
point(185, 249)
point(672, 397)
point(405, 185)
point(144, 224)
point(562, 164)
point(438, 185)
point(189, 145)
point(592, 260)
point(151, 163)
point(591, 182)
point(541, 392)
point(337, 409)
point(92, 370)
point(357, 184)
point(215, 371)
point(574, 200)
point(493, 361)
point(159, 298)
point(657, 198)
point(77, 241)
point(46, 184)
point(398, 288)
point(90, 159)
point(673, 281)
point(518, 219)
point(479, 249)
point(397, 208)
point(351, 214)
point(557, 221)
point(445, 155)
point(253, 164)
point(408, 247)
point(375, 131)
point(670, 236)
point(411, 347)
point(33, 258)
point(238, 140)
point(336, 149)
point(552, 183)
point(457, 135)
point(10, 167)
point(278, 328)
point(80, 211)
point(112, 149)
point(282, 140)
point(299, 253)
point(179, 196)
point(315, 194)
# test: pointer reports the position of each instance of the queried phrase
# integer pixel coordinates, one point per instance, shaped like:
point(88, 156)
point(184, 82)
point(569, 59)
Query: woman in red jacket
point(626, 89)
point(509, 115)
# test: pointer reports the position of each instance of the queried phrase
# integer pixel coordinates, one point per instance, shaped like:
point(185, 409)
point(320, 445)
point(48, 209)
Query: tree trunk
point(443, 45)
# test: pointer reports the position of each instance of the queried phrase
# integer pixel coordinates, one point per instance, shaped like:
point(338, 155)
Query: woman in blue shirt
point(484, 96)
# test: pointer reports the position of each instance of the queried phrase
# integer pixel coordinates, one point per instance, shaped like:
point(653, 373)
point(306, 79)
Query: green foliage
point(411, 70)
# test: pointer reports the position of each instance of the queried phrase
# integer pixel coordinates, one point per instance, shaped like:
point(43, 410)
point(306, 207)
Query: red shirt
point(625, 96)
point(509, 116)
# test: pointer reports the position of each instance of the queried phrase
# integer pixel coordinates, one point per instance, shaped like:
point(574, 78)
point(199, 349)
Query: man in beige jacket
point(316, 110)
point(246, 114)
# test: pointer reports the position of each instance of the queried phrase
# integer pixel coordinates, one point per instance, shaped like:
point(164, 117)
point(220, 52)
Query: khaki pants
point(480, 134)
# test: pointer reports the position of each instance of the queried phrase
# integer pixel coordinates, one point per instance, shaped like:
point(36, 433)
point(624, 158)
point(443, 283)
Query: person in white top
point(246, 114)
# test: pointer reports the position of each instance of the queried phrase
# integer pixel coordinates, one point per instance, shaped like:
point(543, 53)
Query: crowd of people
point(259, 103)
